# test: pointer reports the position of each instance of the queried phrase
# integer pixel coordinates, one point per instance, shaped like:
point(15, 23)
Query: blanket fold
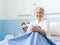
point(31, 38)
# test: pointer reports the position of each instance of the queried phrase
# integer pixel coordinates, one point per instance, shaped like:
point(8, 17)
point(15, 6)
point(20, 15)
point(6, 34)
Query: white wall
point(10, 9)
point(50, 6)
point(1, 9)
point(13, 8)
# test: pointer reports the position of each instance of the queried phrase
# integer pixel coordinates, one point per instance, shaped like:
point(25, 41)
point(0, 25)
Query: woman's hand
point(34, 29)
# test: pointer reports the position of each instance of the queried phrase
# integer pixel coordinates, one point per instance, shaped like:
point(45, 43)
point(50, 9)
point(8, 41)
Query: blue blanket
point(31, 38)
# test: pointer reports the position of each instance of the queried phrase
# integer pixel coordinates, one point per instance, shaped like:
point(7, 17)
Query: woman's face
point(39, 13)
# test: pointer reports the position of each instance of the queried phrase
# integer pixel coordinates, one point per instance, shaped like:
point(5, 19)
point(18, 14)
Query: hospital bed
point(55, 31)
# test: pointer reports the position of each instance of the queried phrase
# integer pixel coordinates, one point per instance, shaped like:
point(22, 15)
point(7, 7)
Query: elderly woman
point(39, 22)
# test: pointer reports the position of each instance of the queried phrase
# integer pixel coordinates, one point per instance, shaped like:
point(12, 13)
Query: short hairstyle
point(40, 9)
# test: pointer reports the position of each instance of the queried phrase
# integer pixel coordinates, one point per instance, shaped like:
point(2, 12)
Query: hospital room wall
point(0, 30)
point(1, 16)
point(10, 9)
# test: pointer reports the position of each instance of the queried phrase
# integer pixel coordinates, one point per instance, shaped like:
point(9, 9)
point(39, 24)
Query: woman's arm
point(42, 31)
point(35, 29)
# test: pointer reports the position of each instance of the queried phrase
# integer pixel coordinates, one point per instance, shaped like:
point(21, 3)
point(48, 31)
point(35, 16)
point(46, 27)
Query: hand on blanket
point(34, 29)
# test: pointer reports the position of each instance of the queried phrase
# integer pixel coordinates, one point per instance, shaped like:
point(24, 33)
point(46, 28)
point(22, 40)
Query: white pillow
point(9, 36)
point(54, 28)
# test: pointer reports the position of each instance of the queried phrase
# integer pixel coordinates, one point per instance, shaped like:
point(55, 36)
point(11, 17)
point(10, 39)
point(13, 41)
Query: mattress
point(56, 38)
